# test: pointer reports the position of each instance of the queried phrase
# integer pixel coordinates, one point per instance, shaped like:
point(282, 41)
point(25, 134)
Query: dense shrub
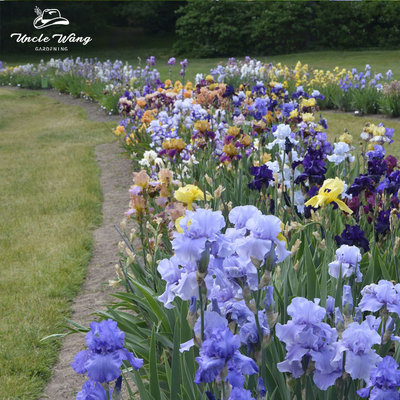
point(219, 29)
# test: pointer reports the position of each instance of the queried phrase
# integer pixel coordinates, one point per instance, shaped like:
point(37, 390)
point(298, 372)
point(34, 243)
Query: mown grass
point(338, 121)
point(50, 201)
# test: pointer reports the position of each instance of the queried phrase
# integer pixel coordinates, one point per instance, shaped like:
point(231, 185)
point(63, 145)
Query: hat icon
point(48, 17)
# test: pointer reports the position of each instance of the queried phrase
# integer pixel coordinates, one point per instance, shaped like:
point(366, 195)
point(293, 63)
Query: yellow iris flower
point(189, 193)
point(329, 193)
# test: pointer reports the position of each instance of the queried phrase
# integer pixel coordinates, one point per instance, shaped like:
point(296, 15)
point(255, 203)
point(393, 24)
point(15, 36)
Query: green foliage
point(390, 105)
point(215, 28)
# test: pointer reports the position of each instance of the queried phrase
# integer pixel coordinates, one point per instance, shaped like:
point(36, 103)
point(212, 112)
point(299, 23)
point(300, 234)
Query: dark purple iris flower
point(360, 183)
point(353, 236)
point(391, 163)
point(323, 122)
point(229, 91)
point(376, 168)
point(262, 177)
point(382, 223)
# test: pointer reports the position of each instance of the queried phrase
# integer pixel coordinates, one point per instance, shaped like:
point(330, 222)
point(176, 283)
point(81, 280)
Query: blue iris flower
point(103, 359)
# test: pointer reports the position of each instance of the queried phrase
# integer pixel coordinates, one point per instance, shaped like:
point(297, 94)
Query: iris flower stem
point(223, 390)
point(201, 314)
point(346, 395)
point(143, 244)
point(107, 388)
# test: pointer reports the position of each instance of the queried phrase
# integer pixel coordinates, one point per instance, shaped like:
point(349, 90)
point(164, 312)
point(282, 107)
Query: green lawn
point(50, 201)
point(337, 122)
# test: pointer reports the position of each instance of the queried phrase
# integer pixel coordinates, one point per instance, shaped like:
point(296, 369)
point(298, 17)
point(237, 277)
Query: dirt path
point(115, 181)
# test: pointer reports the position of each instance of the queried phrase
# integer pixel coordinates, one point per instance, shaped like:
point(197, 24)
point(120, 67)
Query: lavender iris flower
point(198, 228)
point(171, 273)
point(264, 232)
point(241, 214)
point(347, 258)
point(249, 333)
point(375, 296)
point(347, 301)
point(240, 394)
point(357, 341)
point(330, 305)
point(307, 336)
point(103, 359)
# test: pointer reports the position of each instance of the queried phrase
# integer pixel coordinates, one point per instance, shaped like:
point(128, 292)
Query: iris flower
point(189, 193)
point(103, 358)
point(329, 193)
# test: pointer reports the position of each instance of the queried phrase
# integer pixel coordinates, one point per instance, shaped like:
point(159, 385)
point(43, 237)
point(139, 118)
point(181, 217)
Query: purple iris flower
point(219, 348)
point(357, 341)
point(103, 359)
point(353, 236)
point(347, 258)
point(184, 64)
point(384, 381)
point(171, 62)
point(287, 108)
point(323, 122)
point(229, 91)
point(262, 177)
point(388, 133)
point(239, 312)
point(376, 168)
point(240, 394)
point(269, 302)
point(330, 305)
point(241, 271)
point(392, 183)
point(171, 273)
point(92, 391)
point(151, 60)
point(261, 387)
point(377, 154)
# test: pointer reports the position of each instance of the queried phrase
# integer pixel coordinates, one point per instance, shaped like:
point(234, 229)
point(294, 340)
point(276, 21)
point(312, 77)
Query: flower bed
point(346, 90)
point(269, 257)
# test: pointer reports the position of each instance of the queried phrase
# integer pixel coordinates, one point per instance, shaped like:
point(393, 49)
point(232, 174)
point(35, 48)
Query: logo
point(48, 17)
